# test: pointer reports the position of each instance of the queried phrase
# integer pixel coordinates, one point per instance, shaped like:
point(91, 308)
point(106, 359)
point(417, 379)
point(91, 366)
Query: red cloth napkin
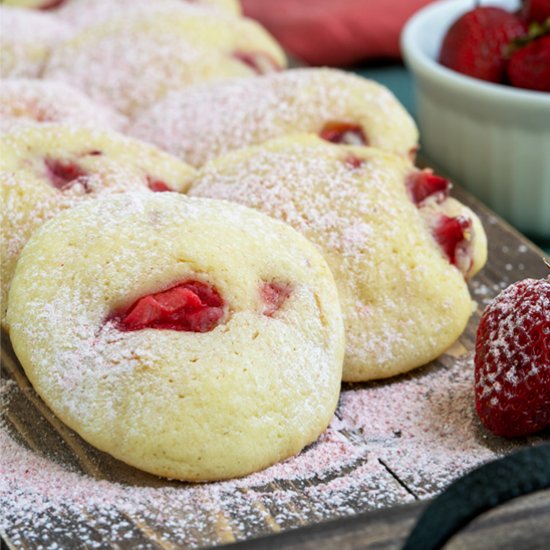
point(335, 32)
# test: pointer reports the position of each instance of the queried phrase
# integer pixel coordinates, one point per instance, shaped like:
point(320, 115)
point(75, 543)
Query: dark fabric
point(518, 474)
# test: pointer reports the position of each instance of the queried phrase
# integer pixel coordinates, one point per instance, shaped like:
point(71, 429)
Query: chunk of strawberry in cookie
point(158, 186)
point(259, 62)
point(454, 237)
point(64, 174)
point(343, 133)
point(424, 184)
point(274, 295)
point(191, 306)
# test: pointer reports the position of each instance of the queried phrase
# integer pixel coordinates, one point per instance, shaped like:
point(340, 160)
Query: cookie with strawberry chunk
point(190, 338)
point(47, 169)
point(130, 61)
point(203, 122)
point(387, 231)
point(25, 101)
point(28, 38)
point(512, 360)
point(82, 13)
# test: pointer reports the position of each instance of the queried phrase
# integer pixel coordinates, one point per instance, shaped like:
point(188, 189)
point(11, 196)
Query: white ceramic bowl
point(493, 139)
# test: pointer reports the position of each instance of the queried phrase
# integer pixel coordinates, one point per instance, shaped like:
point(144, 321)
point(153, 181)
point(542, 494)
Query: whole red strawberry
point(529, 66)
point(476, 42)
point(535, 10)
point(512, 360)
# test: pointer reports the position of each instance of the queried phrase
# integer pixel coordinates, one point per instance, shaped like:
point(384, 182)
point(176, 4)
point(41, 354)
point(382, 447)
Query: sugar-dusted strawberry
point(512, 360)
point(529, 65)
point(191, 306)
point(535, 10)
point(476, 42)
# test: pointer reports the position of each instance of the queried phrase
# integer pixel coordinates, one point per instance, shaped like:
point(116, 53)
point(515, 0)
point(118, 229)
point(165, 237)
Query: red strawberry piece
point(343, 133)
point(158, 186)
point(476, 42)
point(453, 235)
point(64, 174)
point(529, 66)
point(191, 306)
point(424, 184)
point(353, 162)
point(51, 4)
point(274, 296)
point(259, 62)
point(535, 10)
point(512, 360)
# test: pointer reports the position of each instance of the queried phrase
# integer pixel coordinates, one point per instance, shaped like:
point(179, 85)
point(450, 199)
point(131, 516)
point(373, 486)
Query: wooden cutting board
point(362, 485)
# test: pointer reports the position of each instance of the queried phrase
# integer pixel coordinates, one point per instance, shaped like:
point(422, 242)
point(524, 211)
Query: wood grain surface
point(212, 518)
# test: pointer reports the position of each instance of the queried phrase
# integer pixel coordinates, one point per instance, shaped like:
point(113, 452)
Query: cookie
point(190, 338)
point(398, 251)
point(25, 102)
point(201, 123)
point(47, 169)
point(27, 40)
point(78, 11)
point(132, 60)
point(85, 12)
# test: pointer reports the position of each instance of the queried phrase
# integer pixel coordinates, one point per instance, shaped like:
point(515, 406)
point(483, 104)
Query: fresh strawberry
point(475, 44)
point(529, 66)
point(512, 360)
point(535, 10)
point(191, 306)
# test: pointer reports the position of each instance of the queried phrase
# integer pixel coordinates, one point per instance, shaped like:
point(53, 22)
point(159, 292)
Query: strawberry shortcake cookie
point(48, 168)
point(191, 338)
point(25, 102)
point(131, 61)
point(26, 41)
point(85, 12)
point(398, 247)
point(77, 10)
point(203, 122)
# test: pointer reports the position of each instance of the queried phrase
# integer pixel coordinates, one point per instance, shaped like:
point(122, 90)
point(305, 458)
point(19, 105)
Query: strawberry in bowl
point(500, 46)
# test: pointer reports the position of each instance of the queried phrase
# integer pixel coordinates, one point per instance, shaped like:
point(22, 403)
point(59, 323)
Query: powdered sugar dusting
point(83, 13)
point(363, 222)
point(157, 49)
point(27, 101)
point(420, 428)
point(27, 39)
point(112, 163)
point(202, 122)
